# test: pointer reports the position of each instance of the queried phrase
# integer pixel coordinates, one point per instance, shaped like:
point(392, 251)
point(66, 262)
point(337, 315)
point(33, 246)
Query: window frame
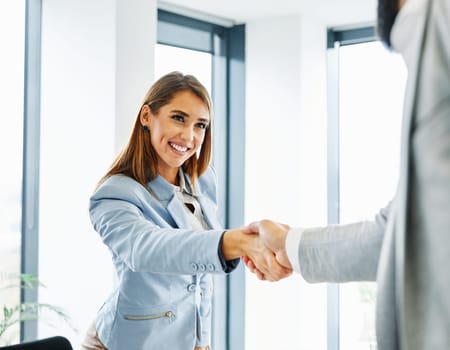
point(31, 157)
point(227, 46)
point(335, 39)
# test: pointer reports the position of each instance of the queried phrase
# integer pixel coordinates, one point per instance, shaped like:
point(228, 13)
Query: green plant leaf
point(24, 312)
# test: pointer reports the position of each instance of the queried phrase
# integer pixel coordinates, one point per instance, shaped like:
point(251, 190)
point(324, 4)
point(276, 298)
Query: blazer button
point(201, 267)
point(194, 266)
point(191, 287)
point(210, 267)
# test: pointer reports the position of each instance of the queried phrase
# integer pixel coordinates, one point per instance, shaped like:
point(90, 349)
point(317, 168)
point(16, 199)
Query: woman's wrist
point(233, 244)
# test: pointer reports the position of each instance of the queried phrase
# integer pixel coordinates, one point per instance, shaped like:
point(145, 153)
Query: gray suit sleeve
point(343, 253)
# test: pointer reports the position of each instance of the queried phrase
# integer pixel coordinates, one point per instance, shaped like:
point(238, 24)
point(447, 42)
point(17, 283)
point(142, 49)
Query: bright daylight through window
point(371, 88)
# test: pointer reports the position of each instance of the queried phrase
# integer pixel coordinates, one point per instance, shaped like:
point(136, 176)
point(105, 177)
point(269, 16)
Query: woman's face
point(177, 132)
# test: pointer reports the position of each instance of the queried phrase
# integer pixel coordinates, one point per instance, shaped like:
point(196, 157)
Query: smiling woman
point(177, 131)
point(155, 209)
point(160, 123)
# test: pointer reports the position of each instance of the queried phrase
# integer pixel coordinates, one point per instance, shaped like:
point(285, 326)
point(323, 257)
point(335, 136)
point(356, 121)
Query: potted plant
point(11, 315)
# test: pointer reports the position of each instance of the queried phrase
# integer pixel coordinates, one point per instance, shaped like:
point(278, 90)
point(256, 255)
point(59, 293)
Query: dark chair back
point(53, 343)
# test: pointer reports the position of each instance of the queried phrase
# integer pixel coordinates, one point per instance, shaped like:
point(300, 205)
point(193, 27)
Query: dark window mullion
point(188, 33)
point(351, 36)
point(31, 156)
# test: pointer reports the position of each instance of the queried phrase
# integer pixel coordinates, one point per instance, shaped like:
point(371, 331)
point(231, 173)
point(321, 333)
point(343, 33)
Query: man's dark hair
point(387, 12)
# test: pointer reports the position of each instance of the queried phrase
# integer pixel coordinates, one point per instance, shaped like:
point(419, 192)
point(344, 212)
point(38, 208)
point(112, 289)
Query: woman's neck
point(171, 177)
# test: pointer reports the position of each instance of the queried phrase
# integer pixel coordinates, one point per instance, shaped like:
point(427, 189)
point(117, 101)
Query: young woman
point(155, 209)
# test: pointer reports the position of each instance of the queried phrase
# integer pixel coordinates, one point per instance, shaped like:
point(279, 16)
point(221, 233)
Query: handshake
point(261, 244)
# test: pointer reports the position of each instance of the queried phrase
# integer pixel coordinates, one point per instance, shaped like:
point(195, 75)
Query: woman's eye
point(202, 125)
point(178, 118)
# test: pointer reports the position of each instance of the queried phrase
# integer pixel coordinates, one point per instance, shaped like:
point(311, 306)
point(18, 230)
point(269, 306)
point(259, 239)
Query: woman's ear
point(145, 115)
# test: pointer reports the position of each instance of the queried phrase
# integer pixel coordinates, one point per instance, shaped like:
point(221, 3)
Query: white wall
point(97, 64)
point(136, 23)
point(286, 169)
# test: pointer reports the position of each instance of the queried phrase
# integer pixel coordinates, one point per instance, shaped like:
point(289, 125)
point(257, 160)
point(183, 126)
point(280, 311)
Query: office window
point(199, 48)
point(214, 53)
point(371, 88)
point(12, 34)
point(170, 58)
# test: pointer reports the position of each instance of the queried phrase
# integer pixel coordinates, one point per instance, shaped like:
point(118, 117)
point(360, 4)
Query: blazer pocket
point(162, 312)
point(144, 327)
point(168, 314)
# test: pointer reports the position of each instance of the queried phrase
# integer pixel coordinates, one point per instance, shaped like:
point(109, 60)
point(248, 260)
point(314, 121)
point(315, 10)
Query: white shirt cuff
point(292, 247)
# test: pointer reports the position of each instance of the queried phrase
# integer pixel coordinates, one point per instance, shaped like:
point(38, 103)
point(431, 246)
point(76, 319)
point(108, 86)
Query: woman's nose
point(187, 133)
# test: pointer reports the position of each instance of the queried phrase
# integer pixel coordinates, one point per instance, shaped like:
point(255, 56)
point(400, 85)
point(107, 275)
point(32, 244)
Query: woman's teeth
point(178, 147)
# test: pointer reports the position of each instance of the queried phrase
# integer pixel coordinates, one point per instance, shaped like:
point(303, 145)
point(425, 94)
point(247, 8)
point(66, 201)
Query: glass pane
point(170, 58)
point(12, 31)
point(372, 81)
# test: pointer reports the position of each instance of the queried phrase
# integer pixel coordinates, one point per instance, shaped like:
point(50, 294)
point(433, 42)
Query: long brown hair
point(138, 159)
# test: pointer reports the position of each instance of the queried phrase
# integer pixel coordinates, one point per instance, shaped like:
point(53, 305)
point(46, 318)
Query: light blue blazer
point(163, 297)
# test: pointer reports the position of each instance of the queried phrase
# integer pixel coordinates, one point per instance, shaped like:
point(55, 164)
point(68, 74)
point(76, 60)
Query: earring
point(145, 128)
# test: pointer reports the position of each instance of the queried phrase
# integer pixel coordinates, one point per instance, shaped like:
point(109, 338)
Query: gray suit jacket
point(406, 249)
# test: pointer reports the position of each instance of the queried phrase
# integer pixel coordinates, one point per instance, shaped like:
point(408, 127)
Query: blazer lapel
point(413, 65)
point(209, 212)
point(208, 207)
point(179, 213)
point(182, 219)
point(165, 192)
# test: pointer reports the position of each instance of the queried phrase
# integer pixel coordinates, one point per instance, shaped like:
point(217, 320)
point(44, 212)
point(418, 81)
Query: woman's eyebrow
point(177, 111)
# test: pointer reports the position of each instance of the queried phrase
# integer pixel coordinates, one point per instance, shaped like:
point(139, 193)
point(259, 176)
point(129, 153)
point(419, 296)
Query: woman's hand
point(236, 243)
point(273, 235)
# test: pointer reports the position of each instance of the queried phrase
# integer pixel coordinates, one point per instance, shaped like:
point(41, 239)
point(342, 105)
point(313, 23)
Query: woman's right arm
point(148, 243)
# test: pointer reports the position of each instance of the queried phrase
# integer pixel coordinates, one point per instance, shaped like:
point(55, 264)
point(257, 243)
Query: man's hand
point(273, 235)
point(237, 243)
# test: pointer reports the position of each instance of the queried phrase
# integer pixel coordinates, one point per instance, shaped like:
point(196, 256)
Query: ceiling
point(334, 13)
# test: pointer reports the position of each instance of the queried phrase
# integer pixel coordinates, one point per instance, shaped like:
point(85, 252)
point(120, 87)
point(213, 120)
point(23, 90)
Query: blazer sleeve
point(343, 253)
point(147, 243)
